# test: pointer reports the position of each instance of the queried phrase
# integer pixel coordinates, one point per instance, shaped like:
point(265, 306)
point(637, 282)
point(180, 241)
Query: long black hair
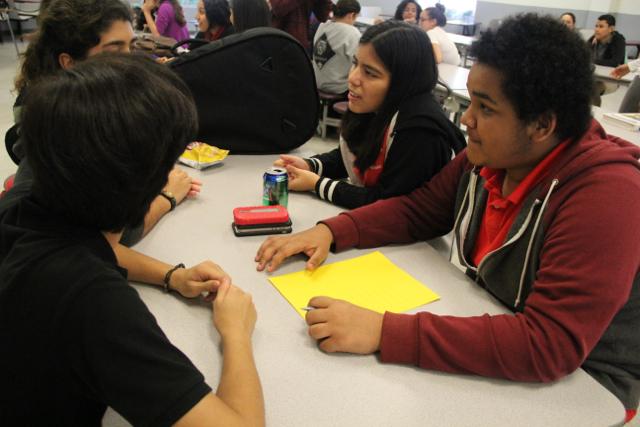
point(249, 14)
point(405, 51)
point(218, 13)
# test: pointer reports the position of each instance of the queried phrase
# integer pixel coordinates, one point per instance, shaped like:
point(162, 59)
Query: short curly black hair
point(546, 68)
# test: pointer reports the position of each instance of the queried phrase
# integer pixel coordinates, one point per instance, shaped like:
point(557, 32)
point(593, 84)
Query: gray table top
point(302, 385)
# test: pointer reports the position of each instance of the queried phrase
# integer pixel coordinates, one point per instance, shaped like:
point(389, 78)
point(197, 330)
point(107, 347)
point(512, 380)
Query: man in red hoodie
point(543, 206)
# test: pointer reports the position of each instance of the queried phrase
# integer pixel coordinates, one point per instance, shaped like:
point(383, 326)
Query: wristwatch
point(169, 196)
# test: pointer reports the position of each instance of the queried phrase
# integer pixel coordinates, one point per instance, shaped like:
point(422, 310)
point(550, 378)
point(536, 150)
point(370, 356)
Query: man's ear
point(65, 60)
point(544, 127)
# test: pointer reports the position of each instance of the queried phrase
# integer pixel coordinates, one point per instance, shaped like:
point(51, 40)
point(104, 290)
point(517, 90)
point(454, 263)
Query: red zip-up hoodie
point(571, 276)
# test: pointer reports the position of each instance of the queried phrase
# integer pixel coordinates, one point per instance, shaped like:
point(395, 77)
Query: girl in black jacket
point(394, 136)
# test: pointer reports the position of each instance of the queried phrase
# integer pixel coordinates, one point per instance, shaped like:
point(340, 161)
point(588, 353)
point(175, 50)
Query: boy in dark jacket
point(608, 46)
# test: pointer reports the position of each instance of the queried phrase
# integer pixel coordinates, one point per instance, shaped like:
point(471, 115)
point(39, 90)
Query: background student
point(67, 35)
point(169, 20)
point(292, 16)
point(543, 206)
point(247, 14)
point(334, 46)
point(408, 11)
point(432, 19)
point(569, 19)
point(394, 136)
point(608, 46)
point(214, 20)
point(62, 294)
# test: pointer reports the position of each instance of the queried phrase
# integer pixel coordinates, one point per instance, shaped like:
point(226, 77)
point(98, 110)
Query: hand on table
point(181, 185)
point(314, 243)
point(340, 326)
point(234, 314)
point(300, 179)
point(620, 71)
point(286, 160)
point(201, 279)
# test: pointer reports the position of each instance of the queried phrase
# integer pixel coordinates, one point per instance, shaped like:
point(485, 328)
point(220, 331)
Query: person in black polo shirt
point(75, 336)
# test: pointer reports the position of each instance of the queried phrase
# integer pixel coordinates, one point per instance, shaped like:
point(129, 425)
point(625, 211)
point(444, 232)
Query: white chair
point(19, 14)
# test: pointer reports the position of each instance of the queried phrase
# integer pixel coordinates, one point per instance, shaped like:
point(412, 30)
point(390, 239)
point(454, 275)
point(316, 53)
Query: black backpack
point(255, 91)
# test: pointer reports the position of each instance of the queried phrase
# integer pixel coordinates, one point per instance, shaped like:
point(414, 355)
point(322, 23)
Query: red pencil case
point(259, 215)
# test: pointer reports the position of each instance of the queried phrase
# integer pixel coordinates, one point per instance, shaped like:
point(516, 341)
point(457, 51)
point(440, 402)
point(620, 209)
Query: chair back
point(631, 101)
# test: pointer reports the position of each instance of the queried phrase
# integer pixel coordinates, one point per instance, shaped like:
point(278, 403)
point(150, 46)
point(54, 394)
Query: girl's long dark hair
point(249, 14)
point(405, 51)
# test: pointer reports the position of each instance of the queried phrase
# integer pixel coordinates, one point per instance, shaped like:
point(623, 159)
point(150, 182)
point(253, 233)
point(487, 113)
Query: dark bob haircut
point(102, 137)
point(249, 14)
point(405, 50)
point(403, 4)
point(545, 68)
point(68, 26)
point(345, 7)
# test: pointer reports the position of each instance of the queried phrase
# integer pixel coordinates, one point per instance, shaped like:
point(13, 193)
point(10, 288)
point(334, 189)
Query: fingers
point(319, 331)
point(223, 290)
point(274, 251)
point(317, 257)
point(320, 302)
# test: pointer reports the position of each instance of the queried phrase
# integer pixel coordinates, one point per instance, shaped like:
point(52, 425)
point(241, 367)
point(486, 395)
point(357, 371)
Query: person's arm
point(587, 266)
point(425, 213)
point(147, 8)
point(238, 400)
point(437, 52)
point(203, 278)
point(180, 185)
point(117, 348)
point(329, 164)
point(414, 157)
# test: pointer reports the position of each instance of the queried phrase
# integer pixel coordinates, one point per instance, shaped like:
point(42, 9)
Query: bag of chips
point(199, 155)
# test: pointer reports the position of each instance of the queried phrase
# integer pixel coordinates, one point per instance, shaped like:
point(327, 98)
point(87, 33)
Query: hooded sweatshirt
point(568, 270)
point(420, 144)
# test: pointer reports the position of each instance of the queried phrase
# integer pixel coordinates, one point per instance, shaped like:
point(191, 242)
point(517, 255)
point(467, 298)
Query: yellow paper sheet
point(371, 281)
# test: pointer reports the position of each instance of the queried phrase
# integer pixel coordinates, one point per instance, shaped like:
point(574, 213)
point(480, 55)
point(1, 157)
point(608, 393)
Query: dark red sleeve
point(587, 266)
point(425, 213)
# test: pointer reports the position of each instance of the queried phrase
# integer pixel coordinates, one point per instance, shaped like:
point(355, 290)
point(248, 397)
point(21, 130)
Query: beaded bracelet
point(167, 277)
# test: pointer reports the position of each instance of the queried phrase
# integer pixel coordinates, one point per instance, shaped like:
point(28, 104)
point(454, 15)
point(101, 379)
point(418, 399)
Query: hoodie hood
point(423, 111)
point(595, 148)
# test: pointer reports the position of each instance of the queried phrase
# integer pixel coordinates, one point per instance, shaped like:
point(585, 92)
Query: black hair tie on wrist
point(167, 277)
